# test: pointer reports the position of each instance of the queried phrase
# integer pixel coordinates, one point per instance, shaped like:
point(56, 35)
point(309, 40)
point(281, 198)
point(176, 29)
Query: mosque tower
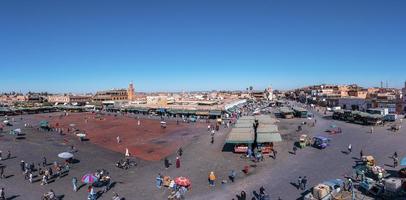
point(131, 92)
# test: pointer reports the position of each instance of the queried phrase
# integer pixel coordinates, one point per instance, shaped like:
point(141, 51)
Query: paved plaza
point(199, 158)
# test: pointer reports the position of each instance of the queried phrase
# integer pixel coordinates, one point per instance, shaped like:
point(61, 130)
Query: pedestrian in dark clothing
point(166, 163)
point(22, 165)
point(274, 153)
point(44, 161)
point(180, 151)
point(232, 176)
point(242, 196)
point(304, 182)
point(8, 155)
point(361, 154)
point(395, 155)
point(262, 190)
point(294, 149)
point(2, 173)
point(212, 140)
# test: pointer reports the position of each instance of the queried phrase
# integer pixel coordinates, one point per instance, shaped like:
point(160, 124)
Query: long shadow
point(388, 165)
point(294, 185)
point(83, 185)
point(9, 176)
point(74, 161)
point(12, 157)
point(12, 197)
point(60, 197)
point(345, 152)
point(112, 185)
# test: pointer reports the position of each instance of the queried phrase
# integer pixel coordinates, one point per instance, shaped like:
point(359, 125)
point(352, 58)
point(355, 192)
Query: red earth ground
point(148, 141)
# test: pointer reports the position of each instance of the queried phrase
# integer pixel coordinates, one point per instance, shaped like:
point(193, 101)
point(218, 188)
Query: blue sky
point(82, 46)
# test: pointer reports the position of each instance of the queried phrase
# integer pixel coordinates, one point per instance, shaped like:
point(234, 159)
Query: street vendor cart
point(369, 161)
point(241, 148)
point(266, 148)
point(304, 141)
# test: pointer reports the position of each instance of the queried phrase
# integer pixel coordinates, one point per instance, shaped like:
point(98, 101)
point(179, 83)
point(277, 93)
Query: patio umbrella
point(403, 162)
point(333, 126)
point(65, 155)
point(89, 178)
point(183, 181)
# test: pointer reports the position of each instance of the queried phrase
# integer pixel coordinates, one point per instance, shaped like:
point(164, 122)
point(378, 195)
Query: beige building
point(157, 100)
point(69, 99)
point(111, 95)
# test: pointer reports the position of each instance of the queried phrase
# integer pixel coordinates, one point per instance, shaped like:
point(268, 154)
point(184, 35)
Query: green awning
point(267, 128)
point(269, 137)
point(215, 112)
point(240, 137)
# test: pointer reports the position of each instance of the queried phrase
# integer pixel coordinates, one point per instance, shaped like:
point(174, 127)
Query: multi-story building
point(111, 95)
point(73, 99)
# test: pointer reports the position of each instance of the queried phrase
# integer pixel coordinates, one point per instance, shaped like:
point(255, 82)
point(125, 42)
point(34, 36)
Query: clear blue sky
point(80, 46)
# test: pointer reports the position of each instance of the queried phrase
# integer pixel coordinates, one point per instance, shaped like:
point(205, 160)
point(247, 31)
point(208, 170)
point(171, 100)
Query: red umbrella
point(89, 178)
point(182, 181)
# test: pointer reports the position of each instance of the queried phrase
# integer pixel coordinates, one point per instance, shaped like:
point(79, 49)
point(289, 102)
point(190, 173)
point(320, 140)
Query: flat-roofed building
point(111, 95)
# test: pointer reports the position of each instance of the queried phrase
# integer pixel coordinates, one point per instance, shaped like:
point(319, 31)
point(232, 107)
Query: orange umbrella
point(183, 181)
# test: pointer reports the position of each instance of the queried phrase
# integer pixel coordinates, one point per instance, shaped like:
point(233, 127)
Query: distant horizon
point(199, 46)
point(192, 91)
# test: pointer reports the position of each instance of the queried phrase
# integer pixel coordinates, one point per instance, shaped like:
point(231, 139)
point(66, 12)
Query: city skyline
point(178, 46)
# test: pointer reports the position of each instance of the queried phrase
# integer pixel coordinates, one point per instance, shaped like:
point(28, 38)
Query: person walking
point(180, 152)
point(44, 162)
point(159, 181)
point(232, 176)
point(44, 180)
point(92, 195)
point(30, 177)
point(8, 154)
point(372, 130)
point(118, 139)
point(304, 182)
point(212, 140)
point(294, 149)
point(212, 179)
point(166, 163)
point(274, 152)
point(349, 149)
point(75, 184)
point(127, 152)
point(177, 162)
point(299, 182)
point(242, 196)
point(2, 172)
point(395, 162)
point(2, 194)
point(22, 166)
point(139, 123)
point(361, 154)
point(1, 155)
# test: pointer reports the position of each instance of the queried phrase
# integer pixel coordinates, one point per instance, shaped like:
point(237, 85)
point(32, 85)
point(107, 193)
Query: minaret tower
point(131, 92)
